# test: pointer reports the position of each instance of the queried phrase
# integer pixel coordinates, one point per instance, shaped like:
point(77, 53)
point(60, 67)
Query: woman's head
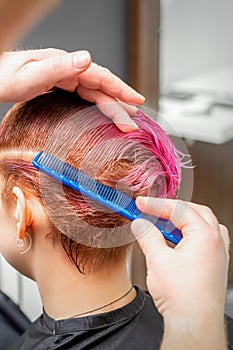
point(138, 163)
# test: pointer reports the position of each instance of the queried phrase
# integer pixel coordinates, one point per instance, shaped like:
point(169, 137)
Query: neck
point(65, 292)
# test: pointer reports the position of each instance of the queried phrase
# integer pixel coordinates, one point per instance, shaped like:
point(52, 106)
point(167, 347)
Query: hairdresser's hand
point(26, 74)
point(188, 283)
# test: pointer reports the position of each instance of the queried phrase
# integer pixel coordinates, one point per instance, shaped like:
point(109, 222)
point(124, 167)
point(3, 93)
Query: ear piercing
point(21, 242)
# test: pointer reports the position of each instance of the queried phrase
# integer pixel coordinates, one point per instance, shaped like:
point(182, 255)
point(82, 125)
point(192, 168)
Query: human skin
point(26, 74)
point(65, 291)
point(176, 333)
point(100, 145)
point(191, 303)
point(188, 283)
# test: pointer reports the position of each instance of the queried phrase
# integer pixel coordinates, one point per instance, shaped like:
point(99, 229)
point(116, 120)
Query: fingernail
point(129, 126)
point(141, 97)
point(140, 227)
point(139, 199)
point(134, 110)
point(134, 125)
point(81, 59)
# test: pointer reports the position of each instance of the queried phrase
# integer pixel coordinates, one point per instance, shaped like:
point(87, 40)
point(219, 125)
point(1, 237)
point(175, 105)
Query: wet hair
point(142, 162)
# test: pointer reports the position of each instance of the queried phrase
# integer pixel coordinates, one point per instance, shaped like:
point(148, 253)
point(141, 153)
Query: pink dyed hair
point(144, 161)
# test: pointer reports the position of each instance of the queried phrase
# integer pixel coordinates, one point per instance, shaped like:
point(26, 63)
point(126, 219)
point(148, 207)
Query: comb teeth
point(55, 165)
point(106, 196)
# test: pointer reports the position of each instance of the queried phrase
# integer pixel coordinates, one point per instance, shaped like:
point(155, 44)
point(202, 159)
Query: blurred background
point(179, 55)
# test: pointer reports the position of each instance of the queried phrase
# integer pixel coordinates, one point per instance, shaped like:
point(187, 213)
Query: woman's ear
point(21, 212)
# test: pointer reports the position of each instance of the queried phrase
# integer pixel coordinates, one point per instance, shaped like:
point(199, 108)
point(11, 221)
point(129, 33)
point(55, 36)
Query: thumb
point(148, 236)
point(47, 72)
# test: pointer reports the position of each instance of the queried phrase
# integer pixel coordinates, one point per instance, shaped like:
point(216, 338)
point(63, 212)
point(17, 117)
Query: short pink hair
point(145, 161)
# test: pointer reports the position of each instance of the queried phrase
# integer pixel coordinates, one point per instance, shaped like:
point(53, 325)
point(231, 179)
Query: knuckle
point(56, 63)
point(120, 91)
point(52, 51)
point(207, 211)
point(105, 73)
point(178, 207)
point(224, 229)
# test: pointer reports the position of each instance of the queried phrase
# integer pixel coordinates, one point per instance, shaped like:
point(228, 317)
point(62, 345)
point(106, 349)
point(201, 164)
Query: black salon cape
point(135, 326)
point(13, 322)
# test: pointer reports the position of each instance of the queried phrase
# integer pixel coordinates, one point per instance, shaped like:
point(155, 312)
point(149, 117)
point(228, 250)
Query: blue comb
point(110, 198)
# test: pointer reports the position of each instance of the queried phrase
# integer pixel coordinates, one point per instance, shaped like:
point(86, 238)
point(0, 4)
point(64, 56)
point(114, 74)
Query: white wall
point(196, 36)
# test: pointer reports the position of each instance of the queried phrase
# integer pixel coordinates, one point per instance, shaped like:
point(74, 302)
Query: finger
point(182, 215)
point(69, 84)
point(206, 213)
point(110, 107)
point(130, 109)
point(44, 74)
point(149, 238)
point(100, 78)
point(41, 54)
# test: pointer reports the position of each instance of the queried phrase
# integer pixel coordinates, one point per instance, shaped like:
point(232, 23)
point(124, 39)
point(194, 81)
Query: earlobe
point(20, 212)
